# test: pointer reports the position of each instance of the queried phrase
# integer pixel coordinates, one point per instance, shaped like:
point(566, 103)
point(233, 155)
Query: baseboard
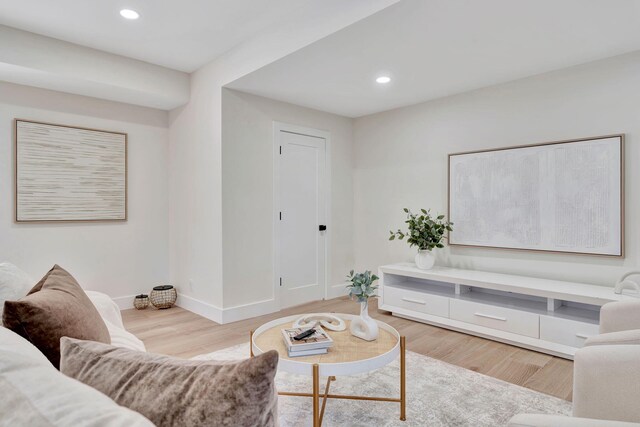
point(124, 303)
point(247, 311)
point(338, 290)
point(232, 314)
point(210, 311)
point(229, 314)
point(202, 308)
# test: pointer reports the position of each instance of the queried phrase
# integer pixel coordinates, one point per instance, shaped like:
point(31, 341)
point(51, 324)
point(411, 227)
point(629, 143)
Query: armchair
point(606, 380)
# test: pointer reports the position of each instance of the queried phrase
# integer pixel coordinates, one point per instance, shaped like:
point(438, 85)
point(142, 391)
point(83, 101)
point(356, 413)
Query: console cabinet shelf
point(550, 316)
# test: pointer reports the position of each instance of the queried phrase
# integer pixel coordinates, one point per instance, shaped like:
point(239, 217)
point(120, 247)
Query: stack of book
point(317, 343)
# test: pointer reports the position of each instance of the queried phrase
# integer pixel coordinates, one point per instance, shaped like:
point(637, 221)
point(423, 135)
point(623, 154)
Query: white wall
point(194, 187)
point(247, 194)
point(195, 136)
point(401, 160)
point(118, 258)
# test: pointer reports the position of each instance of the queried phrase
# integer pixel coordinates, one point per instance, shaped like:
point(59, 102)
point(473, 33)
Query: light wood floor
point(178, 332)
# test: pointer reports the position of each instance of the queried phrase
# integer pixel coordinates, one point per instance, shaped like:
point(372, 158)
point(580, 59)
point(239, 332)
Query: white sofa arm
point(538, 420)
point(108, 309)
point(606, 382)
point(112, 318)
point(631, 337)
point(619, 316)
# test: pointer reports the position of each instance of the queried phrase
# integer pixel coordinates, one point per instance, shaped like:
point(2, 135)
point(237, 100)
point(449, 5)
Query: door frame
point(301, 130)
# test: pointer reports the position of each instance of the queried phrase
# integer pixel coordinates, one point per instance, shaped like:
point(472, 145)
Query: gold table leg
point(316, 395)
point(403, 381)
point(251, 343)
point(326, 396)
point(318, 413)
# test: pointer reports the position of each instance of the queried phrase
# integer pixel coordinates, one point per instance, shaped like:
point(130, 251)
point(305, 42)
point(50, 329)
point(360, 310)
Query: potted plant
point(425, 232)
point(361, 287)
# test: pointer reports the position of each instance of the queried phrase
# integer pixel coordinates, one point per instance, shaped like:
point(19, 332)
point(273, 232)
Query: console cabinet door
point(417, 301)
point(568, 332)
point(503, 319)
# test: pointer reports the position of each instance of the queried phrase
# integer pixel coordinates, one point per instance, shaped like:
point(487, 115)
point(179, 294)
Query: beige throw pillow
point(176, 392)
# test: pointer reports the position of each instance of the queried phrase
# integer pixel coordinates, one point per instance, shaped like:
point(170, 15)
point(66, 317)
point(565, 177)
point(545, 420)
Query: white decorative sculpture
point(626, 283)
point(326, 320)
point(364, 327)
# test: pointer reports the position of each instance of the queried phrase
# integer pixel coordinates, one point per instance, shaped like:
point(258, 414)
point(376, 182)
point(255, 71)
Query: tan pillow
point(55, 307)
point(176, 392)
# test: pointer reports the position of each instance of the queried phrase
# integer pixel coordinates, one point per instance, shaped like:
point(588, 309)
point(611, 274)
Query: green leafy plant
point(361, 285)
point(424, 231)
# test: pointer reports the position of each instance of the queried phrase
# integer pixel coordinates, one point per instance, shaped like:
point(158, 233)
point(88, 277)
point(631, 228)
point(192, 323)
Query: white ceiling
point(178, 34)
point(436, 48)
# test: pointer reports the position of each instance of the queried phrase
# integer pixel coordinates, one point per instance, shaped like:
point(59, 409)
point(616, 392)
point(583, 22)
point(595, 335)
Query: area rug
point(438, 394)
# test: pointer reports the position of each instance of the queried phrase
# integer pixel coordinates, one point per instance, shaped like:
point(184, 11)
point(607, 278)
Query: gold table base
point(318, 411)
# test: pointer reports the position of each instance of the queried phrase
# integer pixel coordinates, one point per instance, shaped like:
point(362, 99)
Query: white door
point(301, 241)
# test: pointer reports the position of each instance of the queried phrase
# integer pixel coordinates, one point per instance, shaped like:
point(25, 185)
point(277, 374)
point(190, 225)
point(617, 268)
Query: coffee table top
point(349, 355)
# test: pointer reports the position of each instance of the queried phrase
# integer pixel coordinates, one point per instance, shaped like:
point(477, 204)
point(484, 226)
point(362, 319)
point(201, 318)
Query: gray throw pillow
point(177, 392)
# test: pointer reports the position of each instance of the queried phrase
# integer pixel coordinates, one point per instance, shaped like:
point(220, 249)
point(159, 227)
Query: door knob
point(322, 227)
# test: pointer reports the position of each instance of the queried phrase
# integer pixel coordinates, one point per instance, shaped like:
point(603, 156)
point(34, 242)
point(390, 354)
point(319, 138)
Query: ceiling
point(182, 35)
point(436, 48)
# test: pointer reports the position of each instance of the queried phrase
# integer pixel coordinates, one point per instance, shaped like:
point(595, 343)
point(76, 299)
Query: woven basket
point(140, 302)
point(163, 296)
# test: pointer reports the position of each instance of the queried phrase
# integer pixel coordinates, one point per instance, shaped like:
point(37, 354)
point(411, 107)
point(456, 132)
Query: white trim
point(125, 302)
point(339, 290)
point(202, 308)
point(277, 128)
point(229, 314)
point(247, 311)
point(212, 312)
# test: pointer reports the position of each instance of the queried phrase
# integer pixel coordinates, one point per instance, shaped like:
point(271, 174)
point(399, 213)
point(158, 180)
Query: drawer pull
point(417, 301)
point(583, 336)
point(489, 316)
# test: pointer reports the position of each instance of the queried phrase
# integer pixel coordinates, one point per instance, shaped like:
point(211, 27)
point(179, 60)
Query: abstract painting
point(65, 173)
point(565, 196)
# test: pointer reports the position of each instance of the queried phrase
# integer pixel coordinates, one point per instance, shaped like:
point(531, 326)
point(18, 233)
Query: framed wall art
point(67, 173)
point(564, 196)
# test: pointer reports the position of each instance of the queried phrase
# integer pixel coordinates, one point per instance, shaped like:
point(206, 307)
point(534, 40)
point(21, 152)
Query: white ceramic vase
point(425, 260)
point(364, 327)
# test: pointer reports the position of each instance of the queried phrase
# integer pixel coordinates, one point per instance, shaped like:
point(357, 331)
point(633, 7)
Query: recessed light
point(383, 79)
point(129, 14)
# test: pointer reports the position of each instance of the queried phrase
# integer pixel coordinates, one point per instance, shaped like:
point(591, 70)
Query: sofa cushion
point(107, 308)
point(171, 391)
point(55, 307)
point(14, 283)
point(631, 337)
point(110, 313)
point(34, 393)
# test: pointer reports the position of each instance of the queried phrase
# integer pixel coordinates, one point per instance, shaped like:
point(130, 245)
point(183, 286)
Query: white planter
point(364, 327)
point(425, 260)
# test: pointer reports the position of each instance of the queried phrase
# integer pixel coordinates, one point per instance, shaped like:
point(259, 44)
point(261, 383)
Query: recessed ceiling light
point(383, 79)
point(129, 14)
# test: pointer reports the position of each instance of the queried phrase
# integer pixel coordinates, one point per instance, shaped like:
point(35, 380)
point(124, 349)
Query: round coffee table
point(349, 355)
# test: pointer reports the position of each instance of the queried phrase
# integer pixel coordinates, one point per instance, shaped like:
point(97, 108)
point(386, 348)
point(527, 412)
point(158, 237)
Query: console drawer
point(503, 319)
point(564, 331)
point(417, 301)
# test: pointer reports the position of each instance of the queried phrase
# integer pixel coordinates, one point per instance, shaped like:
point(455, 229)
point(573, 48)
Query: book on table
point(318, 343)
point(308, 352)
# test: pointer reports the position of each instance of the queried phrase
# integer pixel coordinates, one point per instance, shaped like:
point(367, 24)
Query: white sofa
point(606, 379)
point(34, 393)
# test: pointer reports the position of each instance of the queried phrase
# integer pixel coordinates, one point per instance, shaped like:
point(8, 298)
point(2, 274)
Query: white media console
point(550, 316)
